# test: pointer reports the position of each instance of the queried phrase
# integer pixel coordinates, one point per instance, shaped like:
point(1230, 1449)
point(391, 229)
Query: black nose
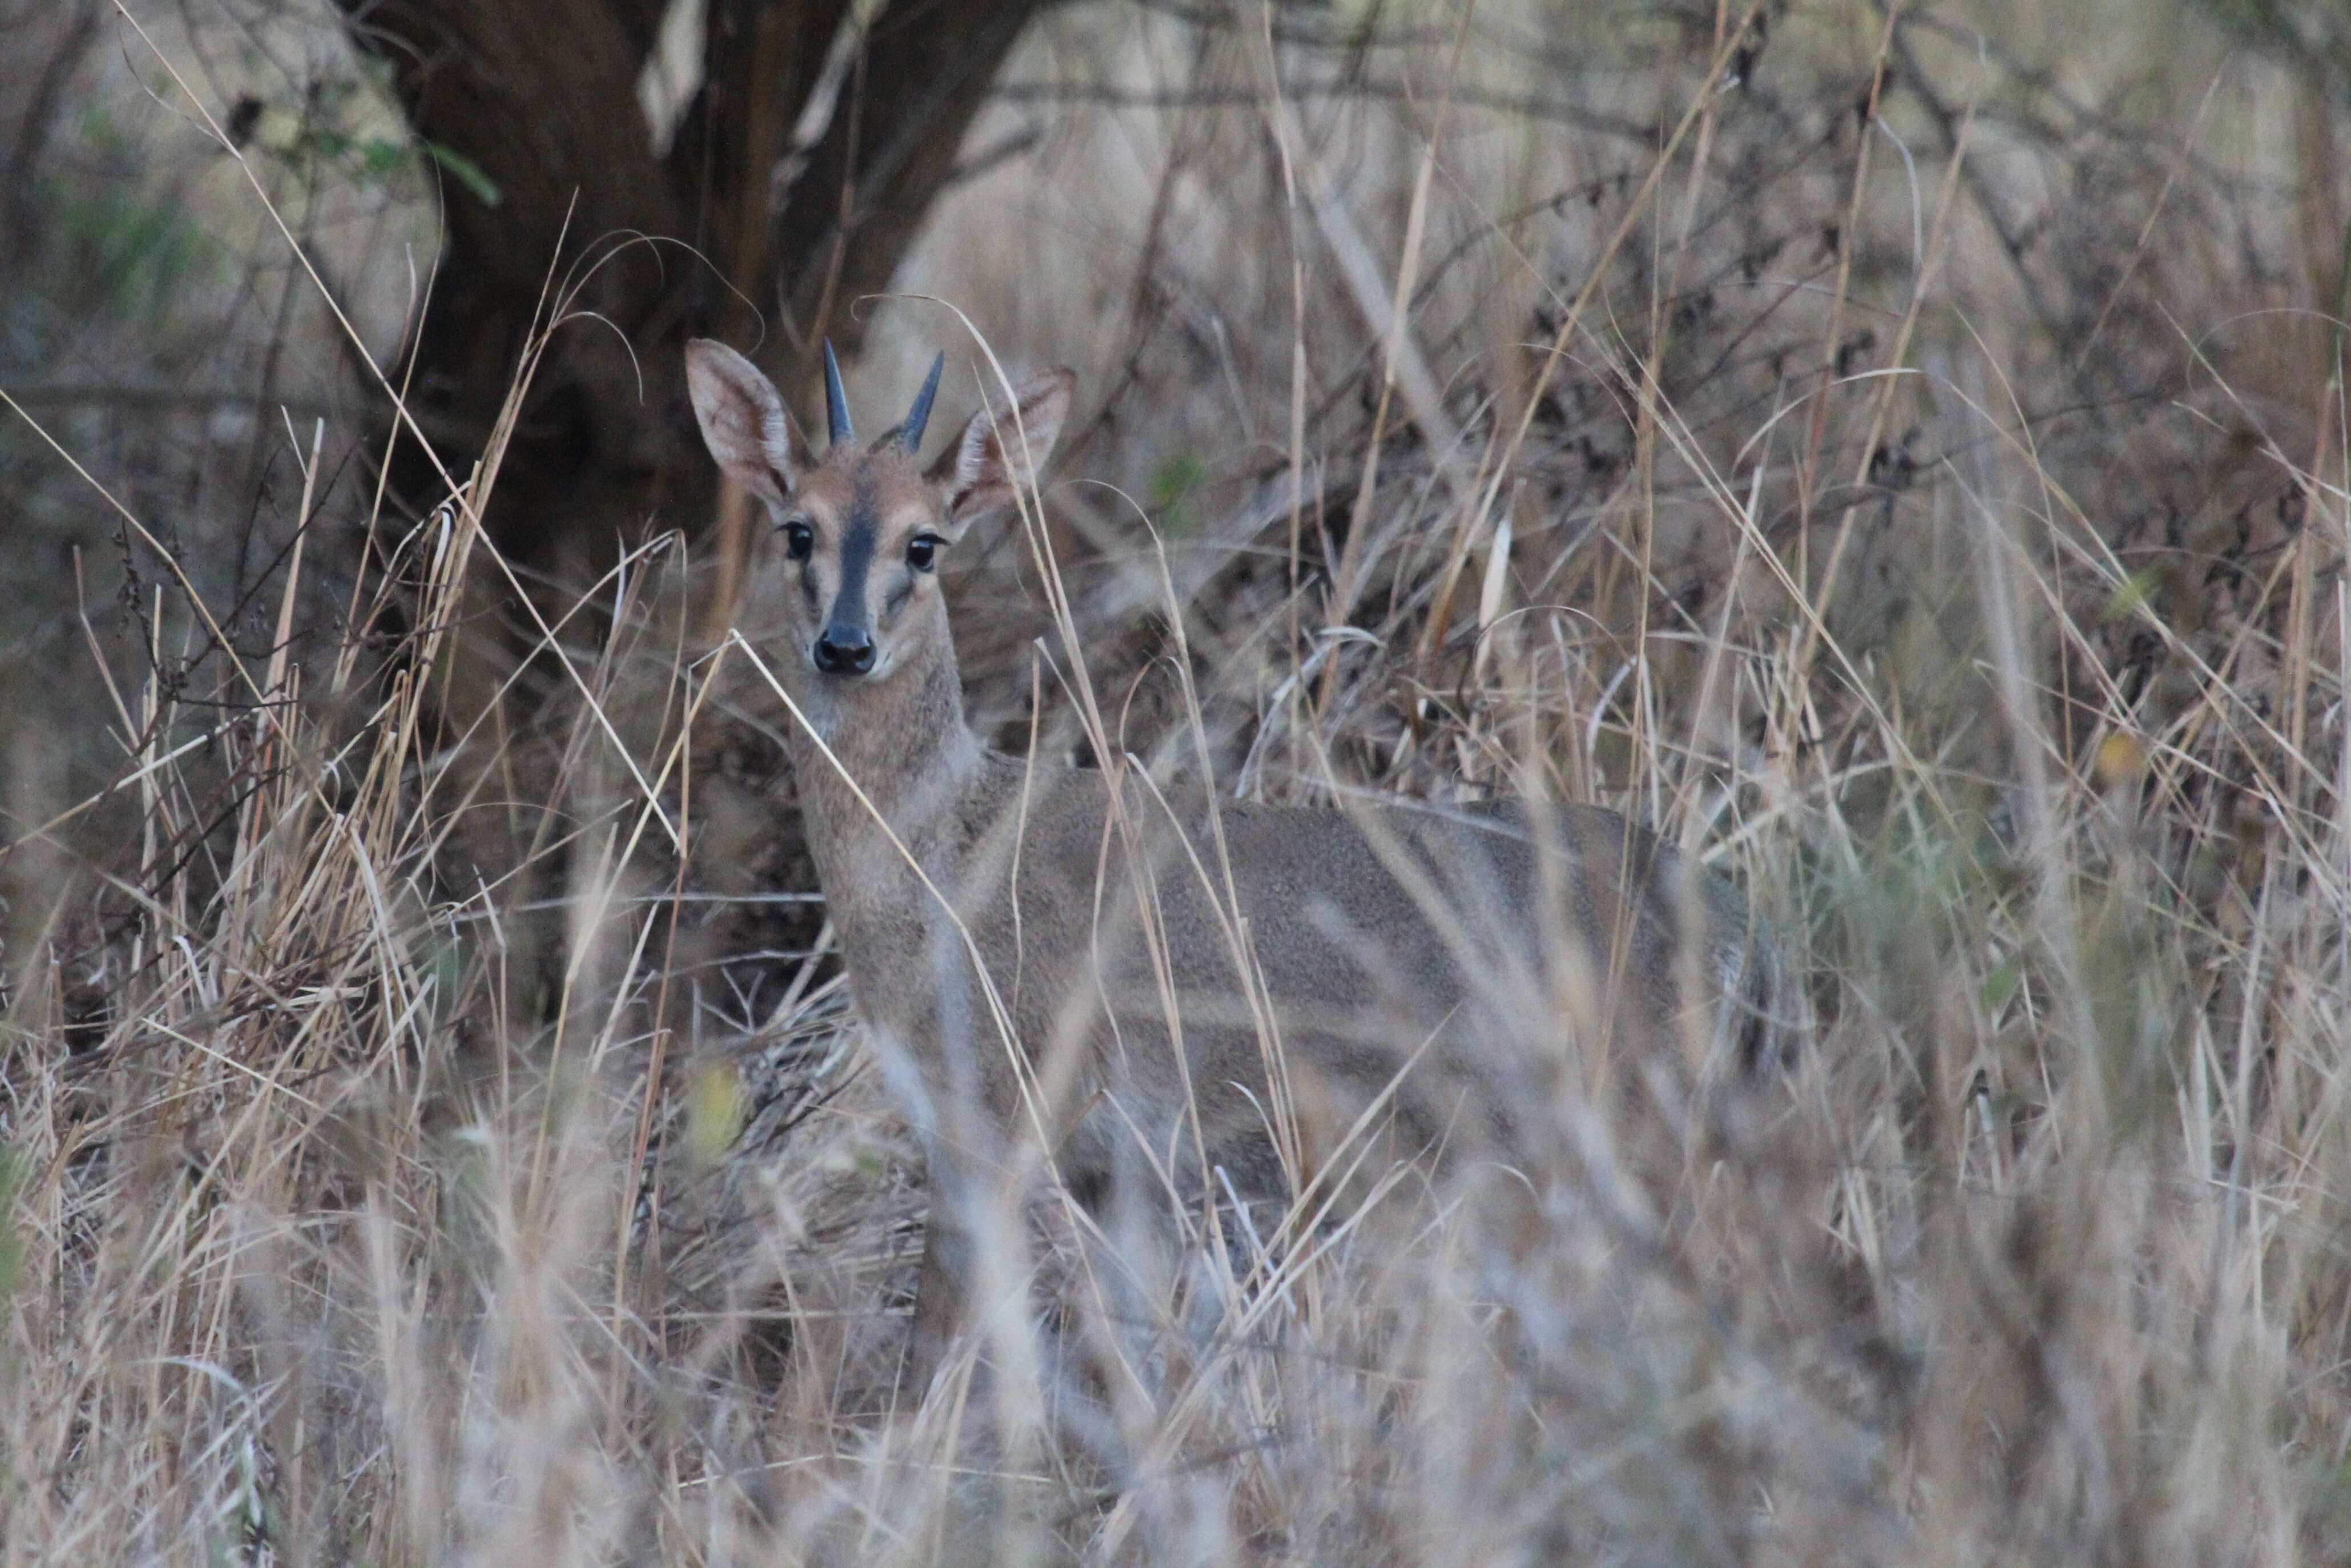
point(844, 651)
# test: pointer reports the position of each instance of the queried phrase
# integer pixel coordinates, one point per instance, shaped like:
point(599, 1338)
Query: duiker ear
point(742, 420)
point(999, 452)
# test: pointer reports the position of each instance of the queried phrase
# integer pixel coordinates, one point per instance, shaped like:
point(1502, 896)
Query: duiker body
point(1149, 984)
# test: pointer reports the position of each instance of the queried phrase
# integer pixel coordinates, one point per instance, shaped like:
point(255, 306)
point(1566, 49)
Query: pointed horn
point(836, 402)
point(910, 430)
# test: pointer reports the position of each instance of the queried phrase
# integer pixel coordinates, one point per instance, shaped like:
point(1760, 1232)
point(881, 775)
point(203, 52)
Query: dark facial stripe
point(860, 532)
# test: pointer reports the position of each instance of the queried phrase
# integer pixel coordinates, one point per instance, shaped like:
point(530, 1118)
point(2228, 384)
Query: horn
point(910, 430)
point(836, 402)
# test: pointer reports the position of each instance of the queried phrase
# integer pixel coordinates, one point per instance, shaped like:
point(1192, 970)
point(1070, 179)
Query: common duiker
point(1172, 997)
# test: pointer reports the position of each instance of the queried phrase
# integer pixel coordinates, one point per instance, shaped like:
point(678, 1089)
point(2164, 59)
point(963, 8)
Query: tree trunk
point(539, 97)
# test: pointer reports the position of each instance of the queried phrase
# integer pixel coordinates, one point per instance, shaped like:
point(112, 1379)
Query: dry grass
point(1970, 583)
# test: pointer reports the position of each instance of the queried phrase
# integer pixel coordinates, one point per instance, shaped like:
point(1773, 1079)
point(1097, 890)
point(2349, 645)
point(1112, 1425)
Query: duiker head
point(859, 532)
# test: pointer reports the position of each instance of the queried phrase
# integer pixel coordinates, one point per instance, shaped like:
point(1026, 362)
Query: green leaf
point(2133, 591)
point(1172, 485)
point(467, 172)
point(714, 1112)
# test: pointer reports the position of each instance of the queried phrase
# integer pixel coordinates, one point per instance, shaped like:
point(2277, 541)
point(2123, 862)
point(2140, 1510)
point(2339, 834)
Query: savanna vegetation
point(1896, 450)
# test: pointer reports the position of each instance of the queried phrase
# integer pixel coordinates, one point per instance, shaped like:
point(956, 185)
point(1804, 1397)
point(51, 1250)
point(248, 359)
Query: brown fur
point(1313, 959)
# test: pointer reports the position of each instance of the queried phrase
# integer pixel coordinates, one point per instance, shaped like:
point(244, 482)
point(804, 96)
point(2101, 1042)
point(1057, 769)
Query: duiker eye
point(799, 539)
point(923, 551)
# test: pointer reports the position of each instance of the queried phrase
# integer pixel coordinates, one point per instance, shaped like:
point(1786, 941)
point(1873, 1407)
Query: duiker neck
point(903, 739)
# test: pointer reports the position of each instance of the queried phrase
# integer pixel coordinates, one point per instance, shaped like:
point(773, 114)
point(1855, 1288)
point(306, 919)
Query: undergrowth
point(433, 1127)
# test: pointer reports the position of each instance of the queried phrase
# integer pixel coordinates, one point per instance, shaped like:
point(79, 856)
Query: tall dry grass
point(439, 1144)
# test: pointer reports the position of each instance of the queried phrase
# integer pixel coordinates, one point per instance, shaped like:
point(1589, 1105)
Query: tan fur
point(1309, 955)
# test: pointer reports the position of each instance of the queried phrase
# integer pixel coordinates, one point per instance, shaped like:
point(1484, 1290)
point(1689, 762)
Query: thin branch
point(1111, 96)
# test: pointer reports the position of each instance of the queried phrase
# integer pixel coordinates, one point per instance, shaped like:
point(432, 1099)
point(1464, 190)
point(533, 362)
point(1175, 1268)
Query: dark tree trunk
point(540, 95)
